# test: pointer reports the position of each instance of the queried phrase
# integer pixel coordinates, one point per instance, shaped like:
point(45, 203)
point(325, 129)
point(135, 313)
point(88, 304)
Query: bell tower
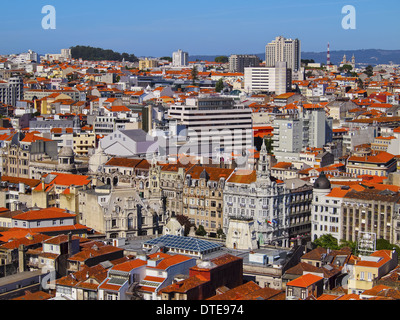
point(264, 162)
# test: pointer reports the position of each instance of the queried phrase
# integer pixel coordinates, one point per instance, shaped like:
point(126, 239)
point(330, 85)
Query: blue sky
point(157, 28)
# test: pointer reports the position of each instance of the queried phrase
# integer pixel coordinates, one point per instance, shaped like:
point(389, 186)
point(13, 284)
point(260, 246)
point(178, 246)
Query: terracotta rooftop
point(304, 281)
point(44, 214)
point(250, 291)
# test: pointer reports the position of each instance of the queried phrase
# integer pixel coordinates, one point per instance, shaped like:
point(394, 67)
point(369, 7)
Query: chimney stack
point(21, 258)
point(69, 244)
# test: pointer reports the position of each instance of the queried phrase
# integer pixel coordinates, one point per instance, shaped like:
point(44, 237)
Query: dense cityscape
point(241, 178)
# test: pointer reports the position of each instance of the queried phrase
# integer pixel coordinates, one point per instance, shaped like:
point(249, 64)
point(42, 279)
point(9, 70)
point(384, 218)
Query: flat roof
point(184, 243)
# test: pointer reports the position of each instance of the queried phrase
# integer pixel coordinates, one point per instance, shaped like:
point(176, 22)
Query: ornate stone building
point(203, 196)
point(256, 195)
point(120, 212)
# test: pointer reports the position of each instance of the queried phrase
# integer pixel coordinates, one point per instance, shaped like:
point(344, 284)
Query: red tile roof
point(304, 281)
point(44, 214)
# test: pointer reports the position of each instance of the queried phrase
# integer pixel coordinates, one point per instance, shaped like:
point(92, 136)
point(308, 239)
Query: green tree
point(220, 233)
point(219, 85)
point(346, 68)
point(184, 221)
point(194, 73)
point(327, 241)
point(221, 59)
point(369, 71)
point(96, 54)
point(268, 145)
point(201, 231)
point(166, 58)
point(382, 244)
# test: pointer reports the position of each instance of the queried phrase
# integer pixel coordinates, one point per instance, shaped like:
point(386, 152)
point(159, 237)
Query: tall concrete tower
point(328, 56)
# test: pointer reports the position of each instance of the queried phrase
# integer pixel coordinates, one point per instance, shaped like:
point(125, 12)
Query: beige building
point(83, 142)
point(171, 183)
point(203, 196)
point(372, 211)
point(119, 212)
point(60, 190)
point(21, 150)
point(147, 64)
point(16, 193)
point(371, 268)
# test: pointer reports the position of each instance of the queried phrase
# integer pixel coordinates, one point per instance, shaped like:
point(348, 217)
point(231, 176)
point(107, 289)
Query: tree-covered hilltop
point(97, 54)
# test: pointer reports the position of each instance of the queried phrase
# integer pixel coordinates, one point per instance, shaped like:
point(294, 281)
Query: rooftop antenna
point(328, 56)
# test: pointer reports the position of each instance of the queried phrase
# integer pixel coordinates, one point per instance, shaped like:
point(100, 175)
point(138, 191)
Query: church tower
point(264, 162)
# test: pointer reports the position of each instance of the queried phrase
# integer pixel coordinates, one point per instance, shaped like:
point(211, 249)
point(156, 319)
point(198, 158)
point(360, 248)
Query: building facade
point(213, 126)
point(238, 62)
point(277, 79)
point(254, 194)
point(286, 50)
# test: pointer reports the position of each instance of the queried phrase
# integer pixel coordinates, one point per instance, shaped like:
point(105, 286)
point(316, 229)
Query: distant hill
point(367, 56)
point(98, 54)
point(364, 56)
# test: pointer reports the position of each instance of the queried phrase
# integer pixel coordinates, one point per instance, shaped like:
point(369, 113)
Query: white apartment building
point(286, 50)
point(213, 125)
point(326, 209)
point(268, 79)
point(357, 136)
point(294, 132)
point(11, 91)
point(26, 57)
point(180, 58)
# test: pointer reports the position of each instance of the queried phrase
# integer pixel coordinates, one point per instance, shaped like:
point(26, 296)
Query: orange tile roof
point(381, 157)
point(26, 181)
point(169, 261)
point(31, 137)
point(64, 179)
point(123, 162)
point(26, 241)
point(214, 173)
point(129, 265)
point(243, 176)
point(304, 281)
point(282, 165)
point(337, 193)
point(47, 213)
point(184, 285)
point(384, 254)
point(89, 253)
point(38, 295)
point(118, 109)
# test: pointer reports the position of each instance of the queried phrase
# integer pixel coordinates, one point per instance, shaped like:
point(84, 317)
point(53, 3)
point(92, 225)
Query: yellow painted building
point(147, 64)
point(371, 268)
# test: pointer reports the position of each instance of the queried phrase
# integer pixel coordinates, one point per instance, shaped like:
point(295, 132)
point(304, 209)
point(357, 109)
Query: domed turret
point(66, 160)
point(322, 182)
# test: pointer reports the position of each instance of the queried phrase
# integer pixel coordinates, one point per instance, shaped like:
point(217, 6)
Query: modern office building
point(180, 59)
point(213, 125)
point(275, 79)
point(237, 62)
point(310, 127)
point(11, 91)
point(286, 50)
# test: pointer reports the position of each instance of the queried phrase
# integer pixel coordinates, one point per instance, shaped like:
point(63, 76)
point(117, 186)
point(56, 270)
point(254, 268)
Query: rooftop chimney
point(21, 258)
